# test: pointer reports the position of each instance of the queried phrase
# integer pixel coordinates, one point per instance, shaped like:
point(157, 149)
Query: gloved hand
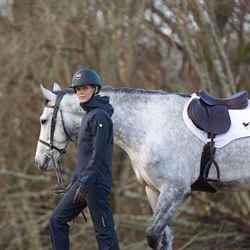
point(80, 196)
point(68, 187)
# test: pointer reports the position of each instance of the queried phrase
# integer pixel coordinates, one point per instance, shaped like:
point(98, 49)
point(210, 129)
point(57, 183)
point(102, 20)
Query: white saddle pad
point(240, 125)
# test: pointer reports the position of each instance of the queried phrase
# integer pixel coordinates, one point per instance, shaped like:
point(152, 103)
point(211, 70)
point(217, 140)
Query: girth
point(211, 115)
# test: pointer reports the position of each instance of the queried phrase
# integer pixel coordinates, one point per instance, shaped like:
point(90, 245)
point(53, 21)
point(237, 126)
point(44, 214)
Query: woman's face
point(84, 92)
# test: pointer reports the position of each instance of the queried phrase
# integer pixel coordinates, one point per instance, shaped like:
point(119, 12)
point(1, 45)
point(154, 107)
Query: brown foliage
point(177, 46)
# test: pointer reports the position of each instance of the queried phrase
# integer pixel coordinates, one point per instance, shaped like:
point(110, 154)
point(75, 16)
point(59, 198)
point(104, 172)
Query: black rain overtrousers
point(101, 214)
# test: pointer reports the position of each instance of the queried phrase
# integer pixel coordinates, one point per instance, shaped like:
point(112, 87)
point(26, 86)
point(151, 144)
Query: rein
point(60, 186)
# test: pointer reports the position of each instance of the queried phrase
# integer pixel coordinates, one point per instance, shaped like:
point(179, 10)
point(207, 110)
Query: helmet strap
point(95, 92)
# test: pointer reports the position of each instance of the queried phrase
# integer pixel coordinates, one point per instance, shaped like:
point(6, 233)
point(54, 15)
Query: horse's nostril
point(37, 163)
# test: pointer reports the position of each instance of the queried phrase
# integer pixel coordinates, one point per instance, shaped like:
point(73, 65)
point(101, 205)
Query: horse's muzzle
point(46, 166)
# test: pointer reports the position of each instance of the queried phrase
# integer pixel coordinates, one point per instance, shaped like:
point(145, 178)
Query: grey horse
point(164, 154)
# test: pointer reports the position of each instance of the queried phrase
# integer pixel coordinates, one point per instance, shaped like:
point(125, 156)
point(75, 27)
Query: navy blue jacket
point(95, 144)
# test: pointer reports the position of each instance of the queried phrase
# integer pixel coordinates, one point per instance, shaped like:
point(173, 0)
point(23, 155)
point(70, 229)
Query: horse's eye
point(43, 121)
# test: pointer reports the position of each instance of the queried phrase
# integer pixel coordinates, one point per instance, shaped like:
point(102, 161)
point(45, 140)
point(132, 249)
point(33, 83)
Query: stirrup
point(207, 168)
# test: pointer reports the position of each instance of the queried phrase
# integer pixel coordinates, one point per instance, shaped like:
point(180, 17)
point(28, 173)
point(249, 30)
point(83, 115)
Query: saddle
point(211, 115)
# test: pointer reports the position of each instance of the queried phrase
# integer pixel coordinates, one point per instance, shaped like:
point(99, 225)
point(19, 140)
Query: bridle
point(53, 124)
point(60, 186)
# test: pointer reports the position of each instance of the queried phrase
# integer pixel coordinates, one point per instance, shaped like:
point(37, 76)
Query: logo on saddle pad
point(246, 125)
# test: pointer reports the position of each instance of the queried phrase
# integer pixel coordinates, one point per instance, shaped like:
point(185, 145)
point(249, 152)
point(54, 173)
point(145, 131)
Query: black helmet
point(86, 77)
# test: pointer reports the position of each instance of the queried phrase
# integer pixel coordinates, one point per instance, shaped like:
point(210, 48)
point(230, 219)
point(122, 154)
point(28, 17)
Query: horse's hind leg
point(167, 235)
point(167, 204)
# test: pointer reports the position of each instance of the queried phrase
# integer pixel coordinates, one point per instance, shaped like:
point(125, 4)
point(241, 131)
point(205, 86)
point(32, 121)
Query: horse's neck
point(138, 116)
point(127, 125)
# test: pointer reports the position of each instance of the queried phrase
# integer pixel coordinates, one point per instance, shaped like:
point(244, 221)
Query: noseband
point(61, 188)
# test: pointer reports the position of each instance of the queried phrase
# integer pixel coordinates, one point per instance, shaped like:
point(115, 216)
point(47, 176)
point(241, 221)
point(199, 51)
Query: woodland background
point(173, 45)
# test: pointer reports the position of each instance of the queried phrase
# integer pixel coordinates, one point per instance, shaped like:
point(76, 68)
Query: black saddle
point(211, 115)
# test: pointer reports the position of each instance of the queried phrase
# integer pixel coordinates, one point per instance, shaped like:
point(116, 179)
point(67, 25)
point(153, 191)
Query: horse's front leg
point(167, 235)
point(169, 200)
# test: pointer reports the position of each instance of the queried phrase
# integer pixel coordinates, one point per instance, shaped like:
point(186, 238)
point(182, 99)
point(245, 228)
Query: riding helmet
point(86, 77)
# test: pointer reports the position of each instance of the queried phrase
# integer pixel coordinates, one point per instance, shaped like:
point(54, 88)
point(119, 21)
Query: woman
point(91, 183)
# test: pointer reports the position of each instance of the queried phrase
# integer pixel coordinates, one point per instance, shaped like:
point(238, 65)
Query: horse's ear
point(56, 87)
point(48, 94)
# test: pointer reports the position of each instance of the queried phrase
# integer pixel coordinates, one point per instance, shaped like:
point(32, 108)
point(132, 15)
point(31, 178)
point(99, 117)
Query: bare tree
point(177, 46)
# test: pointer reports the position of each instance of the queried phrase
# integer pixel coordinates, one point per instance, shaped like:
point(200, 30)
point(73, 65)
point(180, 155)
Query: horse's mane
point(125, 90)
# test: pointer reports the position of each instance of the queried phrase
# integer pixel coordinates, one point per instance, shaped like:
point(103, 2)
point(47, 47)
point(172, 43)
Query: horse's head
point(58, 128)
